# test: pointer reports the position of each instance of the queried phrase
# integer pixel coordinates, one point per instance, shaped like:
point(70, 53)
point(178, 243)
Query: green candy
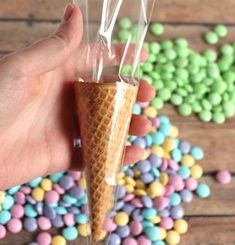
point(193, 69)
point(181, 62)
point(182, 73)
point(221, 30)
point(164, 94)
point(218, 117)
point(196, 107)
point(200, 89)
point(205, 116)
point(190, 99)
point(214, 99)
point(229, 76)
point(168, 44)
point(210, 55)
point(176, 99)
point(229, 108)
point(211, 38)
point(157, 29)
point(217, 108)
point(125, 23)
point(227, 49)
point(155, 75)
point(181, 92)
point(154, 48)
point(213, 71)
point(123, 35)
point(219, 87)
point(170, 54)
point(185, 109)
point(158, 84)
point(206, 104)
point(183, 53)
point(157, 103)
point(171, 85)
point(181, 42)
point(147, 67)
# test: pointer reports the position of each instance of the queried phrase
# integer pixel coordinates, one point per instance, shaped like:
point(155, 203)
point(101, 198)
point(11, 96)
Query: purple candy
point(170, 171)
point(140, 142)
point(77, 192)
point(186, 195)
point(119, 205)
point(147, 178)
point(58, 222)
point(120, 192)
point(66, 182)
point(30, 224)
point(177, 212)
point(123, 231)
point(64, 204)
point(49, 212)
point(39, 208)
point(30, 200)
point(147, 201)
point(185, 147)
point(164, 213)
point(155, 160)
point(73, 210)
point(136, 215)
point(114, 239)
point(128, 208)
point(144, 166)
point(129, 172)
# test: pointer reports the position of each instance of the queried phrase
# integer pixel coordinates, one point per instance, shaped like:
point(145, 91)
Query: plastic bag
point(105, 97)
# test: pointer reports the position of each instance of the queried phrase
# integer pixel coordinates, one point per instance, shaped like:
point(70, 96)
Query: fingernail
point(68, 12)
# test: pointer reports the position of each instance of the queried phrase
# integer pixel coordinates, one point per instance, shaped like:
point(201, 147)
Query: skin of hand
point(37, 106)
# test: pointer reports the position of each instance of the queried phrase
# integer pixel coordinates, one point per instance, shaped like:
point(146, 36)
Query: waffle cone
point(104, 111)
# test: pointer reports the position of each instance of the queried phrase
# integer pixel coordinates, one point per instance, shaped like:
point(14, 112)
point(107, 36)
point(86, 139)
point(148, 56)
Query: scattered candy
point(223, 177)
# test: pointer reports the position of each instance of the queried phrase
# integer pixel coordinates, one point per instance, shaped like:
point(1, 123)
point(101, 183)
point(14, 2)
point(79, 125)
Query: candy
point(142, 240)
point(172, 238)
point(44, 238)
point(221, 30)
point(30, 224)
point(2, 232)
point(181, 226)
point(70, 233)
point(14, 225)
point(5, 216)
point(223, 177)
point(121, 219)
point(114, 239)
point(153, 233)
point(177, 212)
point(44, 223)
point(130, 241)
point(203, 190)
point(58, 240)
point(157, 29)
point(84, 230)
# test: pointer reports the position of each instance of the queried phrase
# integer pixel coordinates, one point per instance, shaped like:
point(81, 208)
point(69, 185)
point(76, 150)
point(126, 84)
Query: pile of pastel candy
point(201, 83)
point(150, 194)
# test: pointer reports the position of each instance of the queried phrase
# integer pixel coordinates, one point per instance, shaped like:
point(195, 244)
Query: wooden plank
point(210, 231)
point(221, 202)
point(199, 11)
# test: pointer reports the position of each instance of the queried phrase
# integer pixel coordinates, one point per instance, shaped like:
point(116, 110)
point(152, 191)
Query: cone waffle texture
point(104, 111)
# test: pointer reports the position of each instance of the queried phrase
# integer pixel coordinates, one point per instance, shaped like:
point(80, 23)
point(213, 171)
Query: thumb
point(47, 54)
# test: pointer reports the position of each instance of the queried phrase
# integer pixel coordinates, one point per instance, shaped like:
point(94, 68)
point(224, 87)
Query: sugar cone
point(104, 111)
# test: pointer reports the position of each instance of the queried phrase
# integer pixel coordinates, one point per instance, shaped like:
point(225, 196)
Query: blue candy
point(70, 233)
point(5, 216)
point(8, 202)
point(158, 138)
point(81, 218)
point(197, 153)
point(175, 199)
point(184, 172)
point(30, 211)
point(149, 213)
point(153, 233)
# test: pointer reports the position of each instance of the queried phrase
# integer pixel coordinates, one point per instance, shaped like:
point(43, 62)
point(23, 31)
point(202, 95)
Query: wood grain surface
point(211, 221)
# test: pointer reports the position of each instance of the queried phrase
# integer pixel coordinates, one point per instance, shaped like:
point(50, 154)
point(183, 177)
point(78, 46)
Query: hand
point(37, 106)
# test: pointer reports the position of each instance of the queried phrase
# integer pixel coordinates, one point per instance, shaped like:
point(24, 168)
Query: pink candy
point(130, 241)
point(109, 225)
point(167, 223)
point(173, 165)
point(223, 177)
point(44, 223)
point(52, 197)
point(177, 182)
point(169, 189)
point(2, 231)
point(75, 175)
point(136, 227)
point(191, 184)
point(17, 211)
point(19, 198)
point(129, 197)
point(155, 122)
point(14, 225)
point(58, 189)
point(164, 165)
point(142, 240)
point(69, 219)
point(25, 189)
point(161, 203)
point(137, 203)
point(143, 104)
point(44, 238)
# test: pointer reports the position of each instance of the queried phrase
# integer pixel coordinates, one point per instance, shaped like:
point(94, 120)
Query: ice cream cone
point(104, 111)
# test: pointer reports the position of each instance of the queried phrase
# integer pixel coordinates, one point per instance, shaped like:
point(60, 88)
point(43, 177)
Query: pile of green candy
point(201, 83)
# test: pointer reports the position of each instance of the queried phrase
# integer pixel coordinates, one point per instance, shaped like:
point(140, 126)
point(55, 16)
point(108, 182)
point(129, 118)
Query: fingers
point(133, 154)
point(139, 126)
point(50, 52)
point(146, 92)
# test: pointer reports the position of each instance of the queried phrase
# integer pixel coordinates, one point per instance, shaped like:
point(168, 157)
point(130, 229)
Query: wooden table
point(211, 221)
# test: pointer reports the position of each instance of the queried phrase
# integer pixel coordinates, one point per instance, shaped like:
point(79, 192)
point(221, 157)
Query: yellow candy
point(120, 175)
point(188, 161)
point(162, 233)
point(167, 155)
point(129, 188)
point(158, 150)
point(156, 220)
point(2, 195)
point(103, 235)
point(169, 144)
point(46, 184)
point(38, 194)
point(121, 219)
point(146, 155)
point(58, 240)
point(121, 182)
point(84, 230)
point(130, 181)
point(181, 226)
point(155, 189)
point(139, 192)
point(172, 237)
point(82, 183)
point(164, 178)
point(175, 132)
point(140, 184)
point(150, 112)
point(196, 171)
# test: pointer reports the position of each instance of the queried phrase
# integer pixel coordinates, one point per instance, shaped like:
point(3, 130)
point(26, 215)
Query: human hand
point(37, 106)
